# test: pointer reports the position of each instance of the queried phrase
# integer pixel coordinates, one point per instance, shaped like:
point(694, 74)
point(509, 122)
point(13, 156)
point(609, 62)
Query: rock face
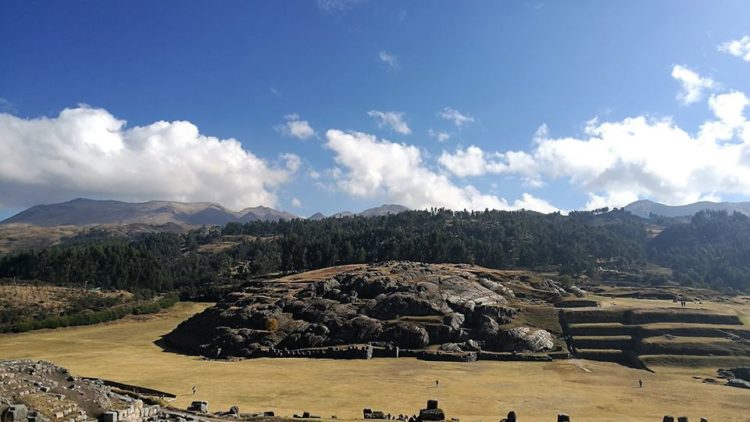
point(403, 304)
point(742, 372)
point(524, 338)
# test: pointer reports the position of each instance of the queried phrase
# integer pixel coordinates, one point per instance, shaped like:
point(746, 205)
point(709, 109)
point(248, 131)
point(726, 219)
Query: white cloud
point(440, 136)
point(392, 119)
point(618, 162)
point(369, 167)
point(388, 59)
point(331, 6)
point(529, 202)
point(692, 84)
point(738, 48)
point(459, 119)
point(295, 127)
point(473, 161)
point(292, 161)
point(296, 203)
point(468, 162)
point(88, 152)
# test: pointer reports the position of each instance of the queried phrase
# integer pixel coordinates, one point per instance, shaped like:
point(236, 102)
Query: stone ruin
point(38, 391)
point(198, 407)
point(562, 417)
point(432, 412)
point(368, 413)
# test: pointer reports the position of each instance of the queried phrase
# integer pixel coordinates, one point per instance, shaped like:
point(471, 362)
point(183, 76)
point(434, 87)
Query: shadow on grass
point(168, 347)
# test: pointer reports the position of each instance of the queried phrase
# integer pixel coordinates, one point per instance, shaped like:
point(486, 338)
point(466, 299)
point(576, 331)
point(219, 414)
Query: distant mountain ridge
point(645, 208)
point(382, 210)
point(86, 212)
point(90, 212)
point(93, 212)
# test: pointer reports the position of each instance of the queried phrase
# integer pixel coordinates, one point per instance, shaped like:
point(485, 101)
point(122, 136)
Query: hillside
point(433, 311)
point(86, 212)
point(645, 208)
point(708, 250)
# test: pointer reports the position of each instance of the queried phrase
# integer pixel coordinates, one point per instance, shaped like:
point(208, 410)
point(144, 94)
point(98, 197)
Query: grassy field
point(480, 391)
point(739, 305)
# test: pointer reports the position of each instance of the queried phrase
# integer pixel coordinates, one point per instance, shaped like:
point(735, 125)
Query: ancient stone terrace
point(638, 336)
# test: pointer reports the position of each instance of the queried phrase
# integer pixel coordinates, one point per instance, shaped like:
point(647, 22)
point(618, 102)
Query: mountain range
point(85, 212)
point(646, 208)
point(88, 212)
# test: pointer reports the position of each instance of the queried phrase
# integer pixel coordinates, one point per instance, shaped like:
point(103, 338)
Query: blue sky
point(315, 92)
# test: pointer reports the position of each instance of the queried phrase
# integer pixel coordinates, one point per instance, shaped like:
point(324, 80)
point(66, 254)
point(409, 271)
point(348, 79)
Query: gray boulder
point(739, 383)
point(450, 347)
point(406, 335)
point(525, 339)
point(454, 320)
point(404, 304)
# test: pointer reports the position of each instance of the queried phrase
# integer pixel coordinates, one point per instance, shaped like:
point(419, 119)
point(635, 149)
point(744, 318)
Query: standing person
point(640, 383)
point(195, 388)
point(437, 383)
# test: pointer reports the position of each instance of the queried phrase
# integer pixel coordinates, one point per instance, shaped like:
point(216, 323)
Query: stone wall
point(136, 412)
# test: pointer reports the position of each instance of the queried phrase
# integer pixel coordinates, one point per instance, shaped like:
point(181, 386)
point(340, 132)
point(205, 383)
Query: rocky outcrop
point(42, 392)
point(397, 304)
point(525, 339)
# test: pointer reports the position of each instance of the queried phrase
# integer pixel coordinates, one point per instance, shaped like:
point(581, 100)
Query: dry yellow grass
point(14, 237)
point(321, 274)
point(687, 340)
point(739, 305)
point(588, 391)
point(49, 298)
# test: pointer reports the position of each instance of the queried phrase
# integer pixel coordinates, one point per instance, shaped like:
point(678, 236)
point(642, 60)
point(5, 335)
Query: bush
point(272, 324)
point(88, 317)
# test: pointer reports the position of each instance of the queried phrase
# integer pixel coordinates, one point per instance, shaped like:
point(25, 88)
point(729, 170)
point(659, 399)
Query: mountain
point(317, 216)
point(384, 209)
point(85, 212)
point(265, 214)
point(645, 208)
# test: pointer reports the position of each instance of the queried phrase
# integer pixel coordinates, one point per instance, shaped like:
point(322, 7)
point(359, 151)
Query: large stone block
point(110, 416)
point(15, 413)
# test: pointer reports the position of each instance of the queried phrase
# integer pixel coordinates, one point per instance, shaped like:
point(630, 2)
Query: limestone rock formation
point(403, 304)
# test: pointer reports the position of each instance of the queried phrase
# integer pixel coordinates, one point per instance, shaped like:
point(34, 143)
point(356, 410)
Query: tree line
point(711, 249)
